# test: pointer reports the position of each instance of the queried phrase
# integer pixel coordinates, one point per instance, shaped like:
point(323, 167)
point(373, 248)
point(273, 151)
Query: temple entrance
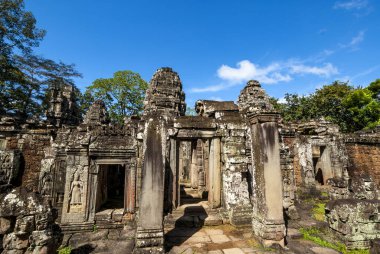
point(111, 190)
point(199, 172)
point(322, 164)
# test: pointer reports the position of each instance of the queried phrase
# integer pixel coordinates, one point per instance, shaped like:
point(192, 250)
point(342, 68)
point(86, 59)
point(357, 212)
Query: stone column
point(214, 174)
point(150, 235)
point(180, 162)
point(130, 188)
point(268, 220)
point(174, 172)
point(193, 168)
point(200, 168)
point(93, 183)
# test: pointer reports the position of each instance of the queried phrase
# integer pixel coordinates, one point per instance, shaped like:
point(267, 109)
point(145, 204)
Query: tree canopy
point(123, 94)
point(351, 108)
point(25, 76)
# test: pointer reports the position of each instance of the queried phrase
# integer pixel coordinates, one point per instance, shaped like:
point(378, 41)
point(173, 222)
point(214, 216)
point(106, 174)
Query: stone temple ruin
point(66, 176)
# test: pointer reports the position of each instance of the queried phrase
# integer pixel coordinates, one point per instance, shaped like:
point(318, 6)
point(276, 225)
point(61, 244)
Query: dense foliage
point(123, 94)
point(351, 108)
point(24, 76)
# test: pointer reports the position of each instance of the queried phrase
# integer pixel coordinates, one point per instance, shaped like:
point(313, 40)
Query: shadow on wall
point(186, 226)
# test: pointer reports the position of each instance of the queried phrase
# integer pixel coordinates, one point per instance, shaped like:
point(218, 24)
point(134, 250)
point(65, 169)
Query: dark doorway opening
point(319, 176)
point(111, 187)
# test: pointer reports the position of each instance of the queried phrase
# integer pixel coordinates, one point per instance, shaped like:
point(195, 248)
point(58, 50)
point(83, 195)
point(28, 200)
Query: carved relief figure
point(47, 185)
point(76, 191)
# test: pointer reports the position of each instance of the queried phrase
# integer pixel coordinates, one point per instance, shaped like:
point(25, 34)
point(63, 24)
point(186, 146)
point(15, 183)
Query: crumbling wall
point(27, 223)
point(31, 144)
point(288, 174)
point(318, 146)
point(364, 155)
point(234, 164)
point(354, 221)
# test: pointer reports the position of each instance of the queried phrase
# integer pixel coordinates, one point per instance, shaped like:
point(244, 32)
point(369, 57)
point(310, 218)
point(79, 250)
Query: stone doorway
point(322, 164)
point(199, 172)
point(111, 191)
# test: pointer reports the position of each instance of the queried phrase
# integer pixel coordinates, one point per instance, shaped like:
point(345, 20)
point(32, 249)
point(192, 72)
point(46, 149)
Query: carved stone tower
point(63, 108)
point(165, 94)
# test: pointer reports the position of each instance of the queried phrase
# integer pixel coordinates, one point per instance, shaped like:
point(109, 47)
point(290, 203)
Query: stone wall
point(236, 179)
point(31, 144)
point(354, 221)
point(364, 155)
point(27, 223)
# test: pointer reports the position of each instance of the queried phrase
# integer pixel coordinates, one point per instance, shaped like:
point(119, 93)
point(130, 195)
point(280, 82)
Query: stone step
point(193, 216)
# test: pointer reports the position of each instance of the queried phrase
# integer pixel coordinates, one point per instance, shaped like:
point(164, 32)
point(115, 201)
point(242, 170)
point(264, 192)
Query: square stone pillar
point(193, 167)
point(174, 172)
point(268, 220)
point(214, 194)
point(150, 231)
point(130, 188)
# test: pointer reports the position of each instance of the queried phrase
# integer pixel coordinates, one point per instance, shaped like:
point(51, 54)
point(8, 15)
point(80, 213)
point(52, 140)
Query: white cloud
point(214, 88)
point(273, 73)
point(351, 5)
point(355, 41)
point(327, 70)
point(247, 70)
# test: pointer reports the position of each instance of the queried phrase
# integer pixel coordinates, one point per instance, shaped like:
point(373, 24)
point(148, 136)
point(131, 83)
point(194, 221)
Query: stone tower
point(165, 94)
point(63, 108)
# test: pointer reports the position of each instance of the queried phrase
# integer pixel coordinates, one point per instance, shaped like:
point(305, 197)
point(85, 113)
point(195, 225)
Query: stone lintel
point(194, 122)
point(190, 134)
point(264, 118)
point(113, 154)
point(111, 161)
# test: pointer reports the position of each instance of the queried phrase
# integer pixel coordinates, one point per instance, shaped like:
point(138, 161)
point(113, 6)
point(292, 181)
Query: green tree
point(24, 76)
point(363, 108)
point(296, 108)
point(123, 94)
point(352, 109)
point(327, 103)
point(374, 87)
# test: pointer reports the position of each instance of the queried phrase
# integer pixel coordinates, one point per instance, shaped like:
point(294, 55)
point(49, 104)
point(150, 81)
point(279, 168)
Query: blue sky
point(217, 46)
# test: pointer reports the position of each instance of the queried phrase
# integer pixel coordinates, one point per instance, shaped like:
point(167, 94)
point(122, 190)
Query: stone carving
point(355, 222)
point(96, 114)
point(253, 99)
point(165, 94)
point(76, 191)
point(63, 107)
point(9, 166)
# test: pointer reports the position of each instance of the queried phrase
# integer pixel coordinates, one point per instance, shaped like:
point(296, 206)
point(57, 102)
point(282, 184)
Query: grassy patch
point(314, 235)
point(324, 194)
point(319, 211)
point(65, 250)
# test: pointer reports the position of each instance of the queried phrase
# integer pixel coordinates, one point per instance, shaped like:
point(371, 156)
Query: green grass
point(65, 250)
point(324, 194)
point(314, 235)
point(319, 211)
